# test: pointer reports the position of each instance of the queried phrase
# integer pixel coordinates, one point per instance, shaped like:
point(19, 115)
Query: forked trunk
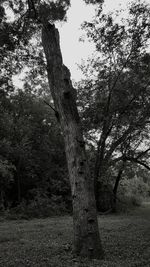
point(86, 234)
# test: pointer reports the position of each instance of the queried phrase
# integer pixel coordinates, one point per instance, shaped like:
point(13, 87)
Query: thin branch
point(120, 72)
point(49, 105)
point(142, 153)
point(143, 164)
point(138, 162)
point(55, 111)
point(118, 142)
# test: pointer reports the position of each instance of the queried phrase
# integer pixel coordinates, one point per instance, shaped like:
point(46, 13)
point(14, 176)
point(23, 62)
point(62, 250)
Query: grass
point(48, 242)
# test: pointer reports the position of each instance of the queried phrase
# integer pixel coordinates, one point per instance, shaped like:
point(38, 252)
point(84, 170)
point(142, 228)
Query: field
point(48, 242)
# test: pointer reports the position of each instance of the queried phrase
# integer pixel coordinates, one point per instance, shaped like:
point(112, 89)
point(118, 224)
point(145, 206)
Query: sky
point(73, 51)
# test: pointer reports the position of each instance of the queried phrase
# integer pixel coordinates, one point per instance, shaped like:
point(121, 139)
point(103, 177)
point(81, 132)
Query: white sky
point(73, 50)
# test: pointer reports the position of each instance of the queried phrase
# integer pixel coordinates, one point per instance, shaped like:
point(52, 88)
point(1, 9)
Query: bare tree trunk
point(86, 234)
point(118, 178)
point(18, 181)
point(100, 159)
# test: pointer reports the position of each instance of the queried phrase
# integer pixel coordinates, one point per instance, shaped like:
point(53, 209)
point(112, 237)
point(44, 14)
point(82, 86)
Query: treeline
point(32, 158)
point(33, 171)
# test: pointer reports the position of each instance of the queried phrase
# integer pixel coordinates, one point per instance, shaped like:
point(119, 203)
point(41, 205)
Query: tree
point(86, 235)
point(117, 87)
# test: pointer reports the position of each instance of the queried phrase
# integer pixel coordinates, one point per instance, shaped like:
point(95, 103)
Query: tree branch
point(55, 111)
point(118, 142)
point(138, 162)
point(142, 153)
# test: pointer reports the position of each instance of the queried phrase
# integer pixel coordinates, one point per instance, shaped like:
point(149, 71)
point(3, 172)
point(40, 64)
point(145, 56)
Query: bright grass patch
point(48, 242)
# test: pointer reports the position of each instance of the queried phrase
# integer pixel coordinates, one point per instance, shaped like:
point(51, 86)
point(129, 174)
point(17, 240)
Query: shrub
point(127, 202)
point(40, 207)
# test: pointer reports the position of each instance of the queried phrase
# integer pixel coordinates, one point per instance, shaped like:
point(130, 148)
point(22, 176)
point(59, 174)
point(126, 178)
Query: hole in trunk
point(67, 95)
point(86, 209)
point(66, 81)
point(91, 220)
point(81, 172)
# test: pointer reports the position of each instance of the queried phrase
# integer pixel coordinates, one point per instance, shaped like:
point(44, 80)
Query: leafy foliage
point(114, 97)
point(32, 151)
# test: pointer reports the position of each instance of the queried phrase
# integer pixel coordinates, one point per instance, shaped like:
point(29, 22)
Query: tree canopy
point(114, 97)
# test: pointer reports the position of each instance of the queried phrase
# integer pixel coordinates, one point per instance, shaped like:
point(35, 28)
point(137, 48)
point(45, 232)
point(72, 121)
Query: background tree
point(31, 142)
point(114, 97)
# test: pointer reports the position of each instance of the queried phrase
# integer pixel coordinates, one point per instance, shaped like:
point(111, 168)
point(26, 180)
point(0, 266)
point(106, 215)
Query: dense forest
point(42, 131)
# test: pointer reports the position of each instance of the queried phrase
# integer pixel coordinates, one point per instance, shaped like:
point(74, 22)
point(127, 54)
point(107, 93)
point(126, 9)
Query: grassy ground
point(47, 242)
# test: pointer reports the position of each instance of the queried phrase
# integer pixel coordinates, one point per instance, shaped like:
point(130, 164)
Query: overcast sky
point(73, 50)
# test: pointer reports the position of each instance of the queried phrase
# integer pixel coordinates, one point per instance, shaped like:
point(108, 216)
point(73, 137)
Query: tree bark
point(2, 201)
point(118, 178)
point(86, 234)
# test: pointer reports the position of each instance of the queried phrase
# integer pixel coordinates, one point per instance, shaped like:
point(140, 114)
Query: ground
point(48, 242)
